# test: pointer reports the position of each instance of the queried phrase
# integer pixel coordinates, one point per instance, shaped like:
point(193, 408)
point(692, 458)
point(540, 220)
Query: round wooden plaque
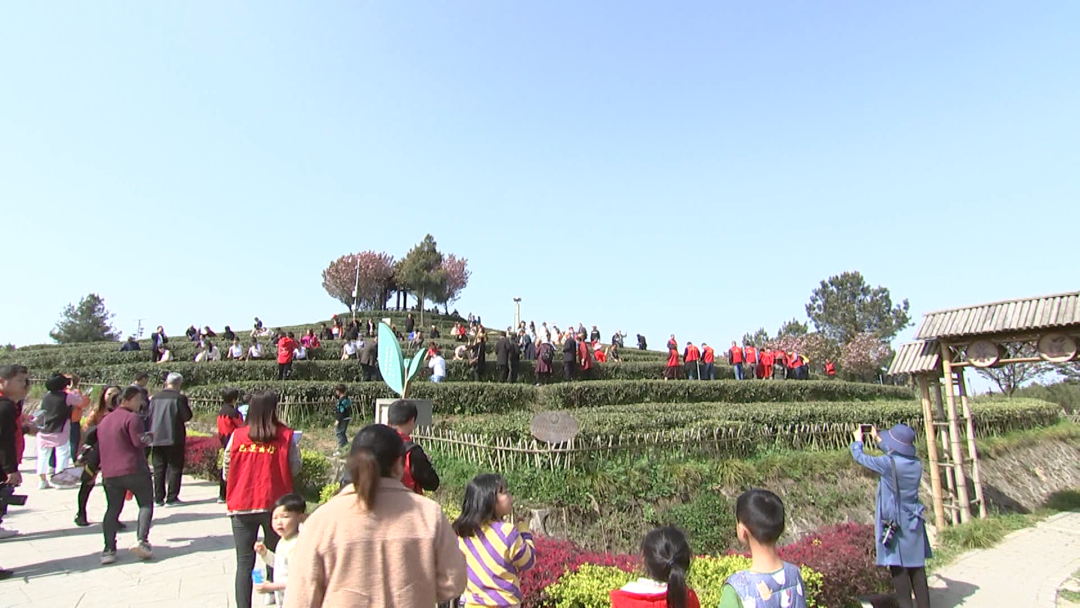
point(554, 427)
point(983, 353)
point(1057, 348)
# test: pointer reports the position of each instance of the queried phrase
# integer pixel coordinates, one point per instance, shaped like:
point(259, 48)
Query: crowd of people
point(380, 529)
point(746, 361)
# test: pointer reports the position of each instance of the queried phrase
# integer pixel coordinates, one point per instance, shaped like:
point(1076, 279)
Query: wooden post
point(945, 455)
point(954, 436)
point(973, 450)
point(931, 450)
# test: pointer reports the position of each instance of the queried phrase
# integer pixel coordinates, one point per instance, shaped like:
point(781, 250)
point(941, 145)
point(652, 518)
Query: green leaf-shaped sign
point(414, 365)
point(391, 361)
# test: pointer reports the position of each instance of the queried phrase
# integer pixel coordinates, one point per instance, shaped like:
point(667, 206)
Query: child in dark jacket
point(342, 415)
point(228, 420)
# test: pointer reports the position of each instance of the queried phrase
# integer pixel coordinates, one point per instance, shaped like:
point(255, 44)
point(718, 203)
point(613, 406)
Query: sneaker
point(176, 502)
point(159, 503)
point(81, 521)
point(43, 485)
point(7, 533)
point(108, 557)
point(142, 550)
point(221, 501)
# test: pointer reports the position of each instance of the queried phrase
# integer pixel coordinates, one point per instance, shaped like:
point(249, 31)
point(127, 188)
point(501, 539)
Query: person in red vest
point(419, 475)
point(751, 355)
point(708, 360)
point(692, 359)
point(671, 372)
point(794, 363)
point(259, 465)
point(830, 369)
point(766, 365)
point(735, 358)
point(779, 364)
point(286, 347)
point(229, 419)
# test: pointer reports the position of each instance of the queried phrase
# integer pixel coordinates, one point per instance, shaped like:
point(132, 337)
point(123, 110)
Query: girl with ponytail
point(667, 563)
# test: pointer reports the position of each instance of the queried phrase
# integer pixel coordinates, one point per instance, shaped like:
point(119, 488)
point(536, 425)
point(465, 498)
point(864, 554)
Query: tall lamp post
point(356, 288)
point(517, 313)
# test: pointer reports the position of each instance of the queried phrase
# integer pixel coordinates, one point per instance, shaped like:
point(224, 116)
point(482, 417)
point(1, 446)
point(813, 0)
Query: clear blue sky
point(693, 168)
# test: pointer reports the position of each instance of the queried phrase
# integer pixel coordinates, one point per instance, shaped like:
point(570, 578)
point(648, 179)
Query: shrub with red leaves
point(844, 555)
point(201, 457)
point(556, 557)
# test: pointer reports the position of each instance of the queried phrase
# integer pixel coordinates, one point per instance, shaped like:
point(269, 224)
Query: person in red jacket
point(259, 465)
point(667, 562)
point(766, 364)
point(708, 362)
point(735, 358)
point(228, 420)
point(671, 372)
point(692, 359)
point(586, 360)
point(286, 349)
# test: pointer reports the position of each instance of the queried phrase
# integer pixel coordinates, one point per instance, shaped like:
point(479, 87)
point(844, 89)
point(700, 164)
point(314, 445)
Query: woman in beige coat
point(376, 543)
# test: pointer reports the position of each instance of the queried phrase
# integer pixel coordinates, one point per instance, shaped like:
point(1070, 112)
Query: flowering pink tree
point(864, 355)
point(457, 278)
point(376, 272)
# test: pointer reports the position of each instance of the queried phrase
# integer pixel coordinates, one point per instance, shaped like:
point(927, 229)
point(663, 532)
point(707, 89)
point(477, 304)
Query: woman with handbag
point(902, 544)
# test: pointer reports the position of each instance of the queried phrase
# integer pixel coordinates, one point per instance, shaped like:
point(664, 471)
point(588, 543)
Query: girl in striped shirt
point(496, 551)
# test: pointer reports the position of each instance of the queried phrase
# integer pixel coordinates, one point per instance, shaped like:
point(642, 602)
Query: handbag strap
point(896, 486)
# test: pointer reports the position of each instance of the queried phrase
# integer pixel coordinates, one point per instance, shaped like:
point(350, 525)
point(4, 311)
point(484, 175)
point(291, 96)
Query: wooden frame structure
point(1027, 330)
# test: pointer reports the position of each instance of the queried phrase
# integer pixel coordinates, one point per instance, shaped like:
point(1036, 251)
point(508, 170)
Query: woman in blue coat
point(900, 472)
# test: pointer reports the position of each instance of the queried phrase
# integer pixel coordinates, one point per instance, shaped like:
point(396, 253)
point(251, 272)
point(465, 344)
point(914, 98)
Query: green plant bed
point(457, 398)
point(992, 417)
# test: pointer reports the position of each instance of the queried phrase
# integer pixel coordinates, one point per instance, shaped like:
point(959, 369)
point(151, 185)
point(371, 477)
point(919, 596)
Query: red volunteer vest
point(406, 478)
point(751, 354)
point(258, 472)
point(736, 355)
point(692, 353)
point(709, 356)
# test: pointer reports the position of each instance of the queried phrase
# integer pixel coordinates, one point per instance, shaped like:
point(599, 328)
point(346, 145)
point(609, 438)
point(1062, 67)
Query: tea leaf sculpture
point(392, 362)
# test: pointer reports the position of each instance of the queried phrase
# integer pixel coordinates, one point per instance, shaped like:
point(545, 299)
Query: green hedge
point(455, 398)
point(991, 417)
point(215, 372)
point(592, 394)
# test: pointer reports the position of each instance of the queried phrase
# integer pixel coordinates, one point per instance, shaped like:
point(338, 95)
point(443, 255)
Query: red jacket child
point(286, 348)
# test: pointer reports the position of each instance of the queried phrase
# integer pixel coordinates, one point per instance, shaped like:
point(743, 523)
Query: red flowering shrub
point(844, 555)
point(201, 457)
point(555, 557)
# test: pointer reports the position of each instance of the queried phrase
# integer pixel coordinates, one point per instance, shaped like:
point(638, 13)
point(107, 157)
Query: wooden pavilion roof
point(1011, 316)
point(920, 357)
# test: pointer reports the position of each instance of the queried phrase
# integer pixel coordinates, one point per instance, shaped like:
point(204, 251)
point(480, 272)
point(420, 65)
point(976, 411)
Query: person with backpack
point(419, 475)
point(229, 419)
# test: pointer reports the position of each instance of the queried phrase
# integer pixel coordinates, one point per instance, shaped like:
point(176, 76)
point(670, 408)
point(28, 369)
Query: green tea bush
point(314, 474)
point(590, 585)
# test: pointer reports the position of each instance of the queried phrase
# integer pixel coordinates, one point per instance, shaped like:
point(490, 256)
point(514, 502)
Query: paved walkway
point(1025, 570)
point(56, 563)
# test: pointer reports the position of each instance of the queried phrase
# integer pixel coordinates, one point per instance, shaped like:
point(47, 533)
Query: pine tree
point(87, 322)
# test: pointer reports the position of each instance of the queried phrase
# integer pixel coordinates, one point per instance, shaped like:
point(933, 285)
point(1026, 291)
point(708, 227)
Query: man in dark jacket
point(14, 385)
point(569, 356)
point(169, 412)
point(369, 358)
point(131, 345)
point(478, 358)
point(502, 357)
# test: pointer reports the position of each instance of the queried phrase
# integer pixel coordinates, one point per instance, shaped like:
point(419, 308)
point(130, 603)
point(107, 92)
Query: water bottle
point(257, 576)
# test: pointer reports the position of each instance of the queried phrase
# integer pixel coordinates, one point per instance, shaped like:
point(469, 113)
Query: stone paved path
point(1023, 571)
point(56, 563)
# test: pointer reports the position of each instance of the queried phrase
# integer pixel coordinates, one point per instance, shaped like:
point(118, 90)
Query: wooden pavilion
point(988, 335)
